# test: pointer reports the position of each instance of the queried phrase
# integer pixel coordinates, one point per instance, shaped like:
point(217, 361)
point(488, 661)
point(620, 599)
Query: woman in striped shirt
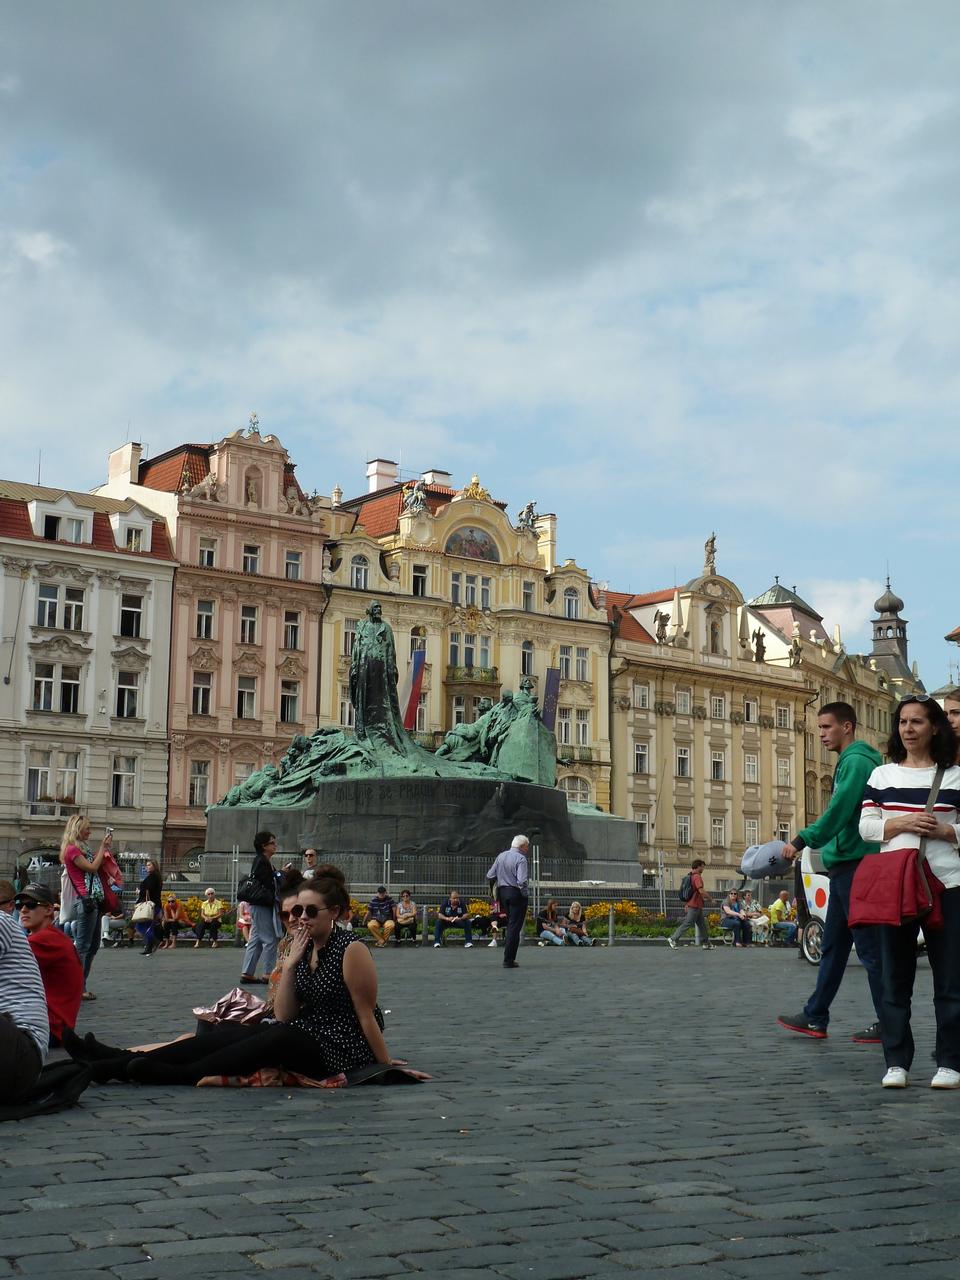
point(893, 812)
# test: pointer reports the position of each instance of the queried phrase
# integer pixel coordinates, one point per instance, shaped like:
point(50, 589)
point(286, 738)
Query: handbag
point(143, 912)
point(68, 898)
point(253, 892)
point(893, 888)
point(111, 900)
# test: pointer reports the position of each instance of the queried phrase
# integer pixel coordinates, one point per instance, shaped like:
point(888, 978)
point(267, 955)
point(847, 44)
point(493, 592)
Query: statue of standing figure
point(759, 646)
point(527, 517)
point(661, 620)
point(710, 555)
point(373, 683)
point(415, 498)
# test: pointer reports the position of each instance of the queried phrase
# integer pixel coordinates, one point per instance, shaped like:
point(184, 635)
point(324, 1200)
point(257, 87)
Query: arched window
point(418, 639)
point(577, 790)
point(526, 658)
point(359, 572)
point(571, 603)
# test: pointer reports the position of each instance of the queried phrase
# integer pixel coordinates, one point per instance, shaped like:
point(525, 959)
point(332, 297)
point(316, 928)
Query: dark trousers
point(207, 926)
point(514, 902)
point(233, 1050)
point(838, 938)
point(21, 1060)
point(408, 930)
point(899, 951)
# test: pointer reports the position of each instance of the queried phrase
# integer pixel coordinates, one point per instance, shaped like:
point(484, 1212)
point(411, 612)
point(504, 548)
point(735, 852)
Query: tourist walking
point(694, 917)
point(260, 892)
point(912, 801)
point(509, 875)
point(151, 891)
point(83, 876)
point(836, 833)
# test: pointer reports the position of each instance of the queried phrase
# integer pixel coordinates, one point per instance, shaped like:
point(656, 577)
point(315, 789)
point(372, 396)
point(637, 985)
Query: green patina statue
point(508, 740)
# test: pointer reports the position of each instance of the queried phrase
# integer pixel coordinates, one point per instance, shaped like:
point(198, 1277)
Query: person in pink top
point(83, 872)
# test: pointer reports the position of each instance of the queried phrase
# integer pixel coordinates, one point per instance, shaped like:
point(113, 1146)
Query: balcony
point(473, 675)
point(567, 754)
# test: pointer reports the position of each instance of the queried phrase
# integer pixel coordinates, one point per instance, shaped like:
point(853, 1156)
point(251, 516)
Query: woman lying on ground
point(326, 1010)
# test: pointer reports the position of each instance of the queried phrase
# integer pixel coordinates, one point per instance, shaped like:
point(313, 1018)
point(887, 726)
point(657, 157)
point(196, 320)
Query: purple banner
point(551, 691)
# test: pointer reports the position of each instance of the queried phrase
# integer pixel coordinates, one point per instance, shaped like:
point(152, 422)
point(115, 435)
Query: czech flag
point(408, 694)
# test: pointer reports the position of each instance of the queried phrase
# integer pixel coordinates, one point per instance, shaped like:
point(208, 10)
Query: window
point(349, 635)
point(455, 639)
point(69, 690)
point(205, 610)
point(346, 707)
point(718, 706)
point(207, 558)
point(566, 661)
point(123, 782)
point(131, 615)
point(47, 600)
point(251, 558)
point(469, 649)
point(128, 687)
point(74, 530)
point(751, 710)
point(716, 766)
point(783, 771)
point(528, 597)
point(683, 762)
point(293, 566)
point(291, 629)
point(359, 573)
point(783, 831)
point(68, 781)
point(43, 686)
point(583, 728)
point(199, 783)
point(526, 658)
point(485, 593)
point(641, 696)
point(751, 831)
point(246, 697)
point(683, 828)
point(421, 721)
point(242, 771)
point(582, 663)
point(783, 716)
point(419, 579)
point(571, 603)
point(485, 653)
point(751, 768)
point(73, 609)
point(459, 709)
point(248, 623)
point(808, 745)
point(643, 827)
point(40, 797)
point(470, 589)
point(564, 726)
point(290, 701)
point(683, 701)
point(577, 790)
point(456, 588)
point(202, 688)
point(718, 836)
point(641, 757)
point(134, 538)
point(51, 528)
point(418, 640)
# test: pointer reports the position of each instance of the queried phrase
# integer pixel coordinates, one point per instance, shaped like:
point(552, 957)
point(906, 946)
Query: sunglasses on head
point(310, 911)
point(916, 697)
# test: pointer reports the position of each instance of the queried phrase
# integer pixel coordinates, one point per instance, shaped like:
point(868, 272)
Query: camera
point(108, 831)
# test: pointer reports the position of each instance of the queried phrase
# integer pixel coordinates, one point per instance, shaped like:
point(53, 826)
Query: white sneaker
point(896, 1078)
point(946, 1078)
point(436, 946)
point(541, 944)
point(467, 946)
point(492, 942)
point(671, 944)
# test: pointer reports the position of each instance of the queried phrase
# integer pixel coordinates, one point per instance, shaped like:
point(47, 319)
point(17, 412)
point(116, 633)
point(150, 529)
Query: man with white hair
point(511, 873)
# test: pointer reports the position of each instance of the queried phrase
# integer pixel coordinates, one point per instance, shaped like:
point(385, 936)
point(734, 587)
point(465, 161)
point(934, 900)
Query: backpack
point(686, 887)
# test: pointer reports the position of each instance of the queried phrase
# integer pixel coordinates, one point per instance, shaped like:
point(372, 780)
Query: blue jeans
point(788, 928)
point(838, 938)
point(86, 937)
point(264, 937)
point(463, 923)
point(547, 936)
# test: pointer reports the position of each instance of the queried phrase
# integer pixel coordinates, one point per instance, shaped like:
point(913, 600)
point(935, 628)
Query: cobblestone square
point(593, 1114)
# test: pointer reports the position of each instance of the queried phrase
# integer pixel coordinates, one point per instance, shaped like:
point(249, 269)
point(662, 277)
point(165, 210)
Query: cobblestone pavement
point(593, 1113)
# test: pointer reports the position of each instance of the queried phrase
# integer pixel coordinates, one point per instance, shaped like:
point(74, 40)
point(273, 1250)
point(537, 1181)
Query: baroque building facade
point(247, 639)
point(483, 596)
point(85, 603)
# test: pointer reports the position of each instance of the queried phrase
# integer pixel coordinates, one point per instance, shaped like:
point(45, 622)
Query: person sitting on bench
point(453, 915)
point(781, 926)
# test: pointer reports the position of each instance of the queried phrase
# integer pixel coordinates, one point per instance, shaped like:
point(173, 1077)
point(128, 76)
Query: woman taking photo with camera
point(83, 872)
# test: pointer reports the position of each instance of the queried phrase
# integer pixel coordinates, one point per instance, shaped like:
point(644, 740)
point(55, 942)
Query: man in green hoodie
point(836, 833)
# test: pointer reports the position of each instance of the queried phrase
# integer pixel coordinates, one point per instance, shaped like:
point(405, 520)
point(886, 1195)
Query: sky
point(665, 268)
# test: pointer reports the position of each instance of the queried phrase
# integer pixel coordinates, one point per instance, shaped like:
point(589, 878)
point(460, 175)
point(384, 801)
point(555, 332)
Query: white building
point(85, 600)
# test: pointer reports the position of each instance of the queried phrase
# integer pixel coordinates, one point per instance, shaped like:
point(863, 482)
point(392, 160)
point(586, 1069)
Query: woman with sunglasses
point(326, 1010)
point(894, 812)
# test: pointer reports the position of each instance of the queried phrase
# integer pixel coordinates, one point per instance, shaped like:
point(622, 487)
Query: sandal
point(88, 995)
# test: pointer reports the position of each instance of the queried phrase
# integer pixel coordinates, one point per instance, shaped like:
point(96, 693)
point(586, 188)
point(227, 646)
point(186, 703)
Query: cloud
point(847, 603)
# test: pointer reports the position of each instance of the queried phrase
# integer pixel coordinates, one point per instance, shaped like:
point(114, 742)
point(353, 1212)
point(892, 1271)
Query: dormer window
point(51, 528)
point(133, 540)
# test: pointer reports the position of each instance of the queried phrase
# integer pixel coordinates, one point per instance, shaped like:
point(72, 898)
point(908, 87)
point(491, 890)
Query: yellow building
point(706, 736)
point(485, 599)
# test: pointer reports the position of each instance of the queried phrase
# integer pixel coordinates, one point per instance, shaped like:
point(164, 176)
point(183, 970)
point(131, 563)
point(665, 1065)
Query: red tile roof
point(624, 623)
point(379, 513)
point(15, 523)
point(15, 520)
point(167, 471)
point(653, 597)
point(954, 635)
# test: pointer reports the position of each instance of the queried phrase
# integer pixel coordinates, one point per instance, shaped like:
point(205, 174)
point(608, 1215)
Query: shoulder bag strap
point(931, 801)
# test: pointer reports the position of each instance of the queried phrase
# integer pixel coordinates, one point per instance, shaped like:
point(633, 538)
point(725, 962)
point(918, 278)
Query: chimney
point(546, 527)
point(381, 473)
point(124, 463)
point(433, 476)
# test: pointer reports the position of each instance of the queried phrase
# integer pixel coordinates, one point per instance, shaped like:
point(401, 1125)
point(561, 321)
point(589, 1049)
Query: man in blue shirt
point(453, 915)
point(510, 872)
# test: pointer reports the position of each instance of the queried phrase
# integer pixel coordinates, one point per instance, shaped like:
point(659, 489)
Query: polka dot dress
point(326, 1010)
